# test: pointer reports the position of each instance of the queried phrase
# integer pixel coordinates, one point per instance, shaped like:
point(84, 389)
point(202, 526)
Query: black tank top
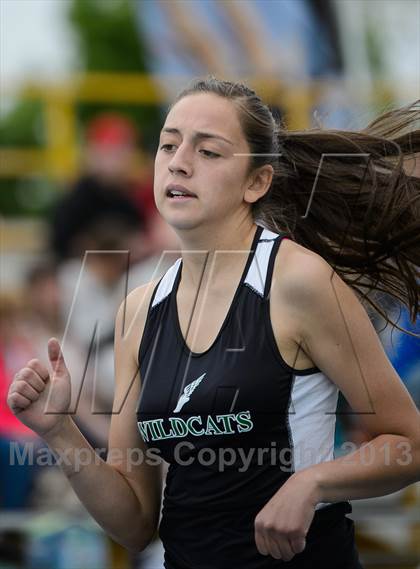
point(233, 422)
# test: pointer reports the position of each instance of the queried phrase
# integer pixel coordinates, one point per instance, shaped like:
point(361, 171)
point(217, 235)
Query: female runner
point(244, 343)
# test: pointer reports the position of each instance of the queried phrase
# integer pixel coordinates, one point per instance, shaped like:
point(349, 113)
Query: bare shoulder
point(308, 289)
point(294, 266)
point(300, 273)
point(138, 300)
point(303, 285)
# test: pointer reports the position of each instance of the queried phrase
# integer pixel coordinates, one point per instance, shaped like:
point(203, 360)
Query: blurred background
point(84, 85)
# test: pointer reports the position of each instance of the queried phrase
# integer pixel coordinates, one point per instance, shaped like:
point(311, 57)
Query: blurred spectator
point(107, 190)
point(26, 323)
point(103, 232)
point(91, 290)
point(91, 293)
point(46, 317)
point(43, 297)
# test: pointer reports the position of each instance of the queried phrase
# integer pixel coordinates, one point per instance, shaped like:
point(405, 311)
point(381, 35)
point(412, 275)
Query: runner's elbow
point(141, 539)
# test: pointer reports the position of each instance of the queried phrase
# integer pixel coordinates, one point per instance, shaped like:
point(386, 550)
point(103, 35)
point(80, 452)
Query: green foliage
point(22, 125)
point(107, 35)
point(27, 197)
point(374, 50)
point(108, 40)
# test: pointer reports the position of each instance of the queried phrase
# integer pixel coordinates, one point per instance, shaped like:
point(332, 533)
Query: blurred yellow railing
point(22, 235)
point(59, 159)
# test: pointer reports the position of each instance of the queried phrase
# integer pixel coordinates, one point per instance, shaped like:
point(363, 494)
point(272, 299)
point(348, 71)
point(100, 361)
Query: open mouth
point(179, 195)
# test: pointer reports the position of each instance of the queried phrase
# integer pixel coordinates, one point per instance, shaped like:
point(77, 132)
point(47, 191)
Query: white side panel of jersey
point(312, 420)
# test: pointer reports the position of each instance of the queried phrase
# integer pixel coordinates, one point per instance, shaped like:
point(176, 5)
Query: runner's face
point(197, 148)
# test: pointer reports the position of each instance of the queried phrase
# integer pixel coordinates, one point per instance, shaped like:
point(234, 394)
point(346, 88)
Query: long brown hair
point(346, 195)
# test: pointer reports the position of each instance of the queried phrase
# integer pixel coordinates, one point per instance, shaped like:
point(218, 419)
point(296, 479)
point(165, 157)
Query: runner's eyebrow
point(198, 135)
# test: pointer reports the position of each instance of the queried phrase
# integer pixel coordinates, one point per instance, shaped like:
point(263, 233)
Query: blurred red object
point(10, 426)
point(111, 129)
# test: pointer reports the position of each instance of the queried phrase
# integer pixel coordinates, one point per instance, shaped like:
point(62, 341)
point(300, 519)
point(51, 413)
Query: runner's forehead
point(205, 113)
point(197, 135)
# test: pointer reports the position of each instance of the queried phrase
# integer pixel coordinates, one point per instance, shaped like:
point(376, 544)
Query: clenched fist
point(40, 398)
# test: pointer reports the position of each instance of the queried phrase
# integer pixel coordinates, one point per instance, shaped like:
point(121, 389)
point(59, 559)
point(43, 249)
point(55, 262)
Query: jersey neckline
point(174, 307)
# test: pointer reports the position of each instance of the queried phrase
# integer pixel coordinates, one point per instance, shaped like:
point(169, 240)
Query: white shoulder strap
point(166, 283)
point(257, 272)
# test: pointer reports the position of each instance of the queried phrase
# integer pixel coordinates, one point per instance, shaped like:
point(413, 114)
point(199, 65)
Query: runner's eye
point(209, 154)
